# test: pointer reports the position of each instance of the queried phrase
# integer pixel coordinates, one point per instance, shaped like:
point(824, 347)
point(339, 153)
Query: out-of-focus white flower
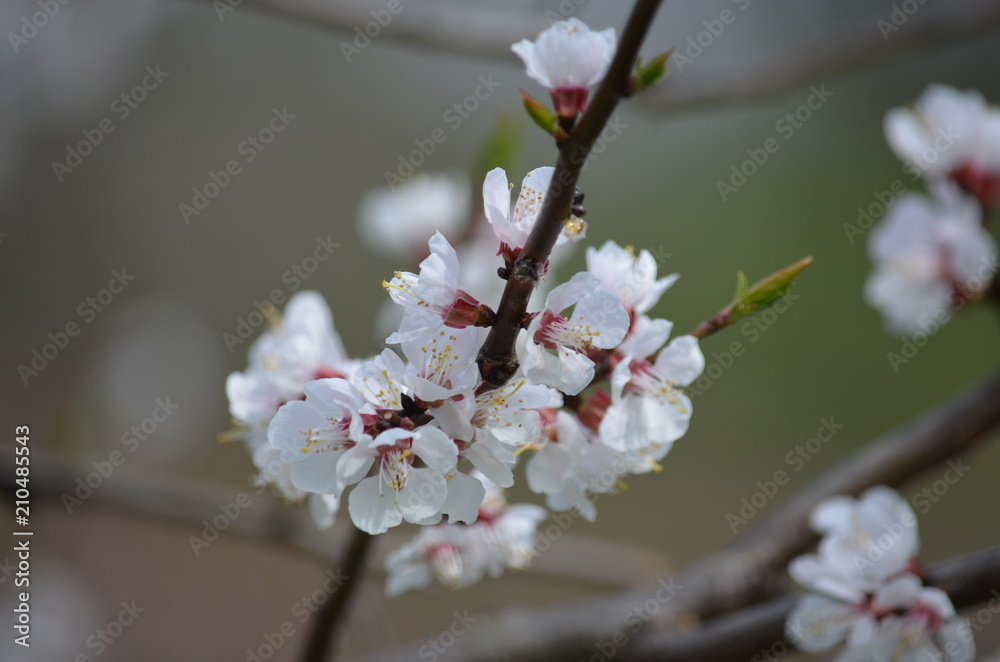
point(302, 346)
point(865, 591)
point(598, 322)
point(648, 406)
point(458, 555)
point(393, 222)
point(569, 466)
point(432, 297)
point(866, 542)
point(900, 621)
point(949, 133)
point(633, 279)
point(568, 58)
point(927, 252)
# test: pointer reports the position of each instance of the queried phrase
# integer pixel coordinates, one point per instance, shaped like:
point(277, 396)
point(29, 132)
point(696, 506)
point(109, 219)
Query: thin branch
point(498, 358)
point(968, 579)
point(819, 57)
point(751, 569)
point(488, 33)
point(333, 613)
point(434, 26)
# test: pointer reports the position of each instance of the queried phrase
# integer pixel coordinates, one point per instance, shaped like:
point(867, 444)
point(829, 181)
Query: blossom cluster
point(933, 254)
point(867, 587)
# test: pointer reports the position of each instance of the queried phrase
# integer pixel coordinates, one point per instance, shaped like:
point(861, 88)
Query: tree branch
point(751, 569)
point(968, 579)
point(820, 57)
point(498, 359)
point(332, 614)
point(434, 26)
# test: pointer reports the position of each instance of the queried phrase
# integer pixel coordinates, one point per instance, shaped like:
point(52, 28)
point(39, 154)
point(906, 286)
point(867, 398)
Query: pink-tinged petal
point(371, 511)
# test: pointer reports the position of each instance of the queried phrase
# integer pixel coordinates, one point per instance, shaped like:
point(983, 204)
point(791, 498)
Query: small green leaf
point(540, 114)
point(649, 73)
point(766, 291)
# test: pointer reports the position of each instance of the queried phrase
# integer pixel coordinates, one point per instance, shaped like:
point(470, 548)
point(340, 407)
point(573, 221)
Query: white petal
point(435, 448)
point(681, 361)
point(424, 494)
point(371, 511)
point(818, 623)
point(465, 494)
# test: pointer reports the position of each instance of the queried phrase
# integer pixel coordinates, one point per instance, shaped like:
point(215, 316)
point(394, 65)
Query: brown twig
point(332, 614)
point(497, 357)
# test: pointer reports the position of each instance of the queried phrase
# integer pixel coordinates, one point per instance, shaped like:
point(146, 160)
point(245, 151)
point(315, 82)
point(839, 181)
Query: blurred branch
point(489, 33)
point(750, 570)
point(435, 26)
point(821, 56)
point(968, 579)
point(333, 613)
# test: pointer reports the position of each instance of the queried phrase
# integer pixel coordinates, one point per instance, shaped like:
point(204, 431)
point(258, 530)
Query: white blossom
point(598, 322)
point(393, 221)
point(945, 131)
point(432, 297)
point(568, 58)
point(633, 279)
point(926, 252)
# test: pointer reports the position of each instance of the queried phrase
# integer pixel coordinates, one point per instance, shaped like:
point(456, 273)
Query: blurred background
point(210, 75)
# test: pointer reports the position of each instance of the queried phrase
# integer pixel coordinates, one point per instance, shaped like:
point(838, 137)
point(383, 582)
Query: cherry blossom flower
point(865, 591)
point(458, 555)
point(648, 406)
point(314, 433)
point(394, 221)
point(432, 297)
point(568, 59)
point(598, 322)
point(866, 542)
point(633, 279)
point(949, 133)
point(513, 228)
point(400, 490)
point(928, 253)
point(442, 365)
point(900, 621)
point(302, 346)
point(569, 465)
